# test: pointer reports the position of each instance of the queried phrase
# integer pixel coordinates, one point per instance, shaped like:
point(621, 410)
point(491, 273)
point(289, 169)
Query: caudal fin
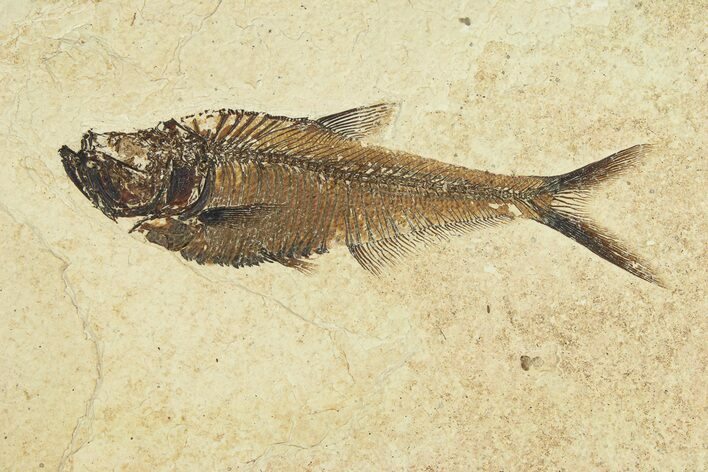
point(561, 207)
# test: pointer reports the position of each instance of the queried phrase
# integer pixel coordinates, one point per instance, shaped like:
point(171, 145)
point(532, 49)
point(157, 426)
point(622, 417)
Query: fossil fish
point(241, 188)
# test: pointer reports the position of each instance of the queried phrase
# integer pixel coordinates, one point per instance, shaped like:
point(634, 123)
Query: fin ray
point(561, 206)
point(236, 216)
point(361, 122)
point(378, 254)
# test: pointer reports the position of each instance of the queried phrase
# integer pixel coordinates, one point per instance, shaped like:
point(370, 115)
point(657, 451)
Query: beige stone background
point(117, 355)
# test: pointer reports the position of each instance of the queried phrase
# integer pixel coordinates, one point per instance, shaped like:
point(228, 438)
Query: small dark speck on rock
point(488, 309)
point(465, 21)
point(525, 362)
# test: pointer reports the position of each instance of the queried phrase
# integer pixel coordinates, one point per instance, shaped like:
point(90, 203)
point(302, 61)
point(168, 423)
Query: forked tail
point(560, 205)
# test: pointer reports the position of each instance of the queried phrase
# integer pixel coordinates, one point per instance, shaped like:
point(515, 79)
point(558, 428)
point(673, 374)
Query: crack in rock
point(84, 421)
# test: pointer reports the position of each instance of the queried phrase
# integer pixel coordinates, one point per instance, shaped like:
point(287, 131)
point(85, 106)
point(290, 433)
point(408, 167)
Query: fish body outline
point(240, 188)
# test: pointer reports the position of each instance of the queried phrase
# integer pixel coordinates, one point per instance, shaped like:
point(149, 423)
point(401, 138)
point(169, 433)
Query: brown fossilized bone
point(240, 188)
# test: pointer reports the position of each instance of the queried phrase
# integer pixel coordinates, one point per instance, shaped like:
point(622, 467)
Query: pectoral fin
point(238, 216)
point(361, 122)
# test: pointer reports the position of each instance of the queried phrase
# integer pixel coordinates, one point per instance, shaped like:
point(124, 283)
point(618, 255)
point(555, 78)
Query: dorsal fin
point(361, 122)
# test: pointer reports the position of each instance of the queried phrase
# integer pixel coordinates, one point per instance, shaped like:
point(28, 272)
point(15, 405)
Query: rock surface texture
point(510, 348)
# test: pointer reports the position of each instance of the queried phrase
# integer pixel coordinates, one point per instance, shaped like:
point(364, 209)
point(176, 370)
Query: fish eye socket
point(121, 148)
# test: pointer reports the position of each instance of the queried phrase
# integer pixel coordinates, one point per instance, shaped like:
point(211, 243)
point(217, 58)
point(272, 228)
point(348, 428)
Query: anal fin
point(376, 255)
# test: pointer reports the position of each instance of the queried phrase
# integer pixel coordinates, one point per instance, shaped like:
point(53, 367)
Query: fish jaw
point(84, 175)
point(71, 162)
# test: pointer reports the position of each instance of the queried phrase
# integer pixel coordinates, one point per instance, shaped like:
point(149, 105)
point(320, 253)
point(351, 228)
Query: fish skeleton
point(240, 188)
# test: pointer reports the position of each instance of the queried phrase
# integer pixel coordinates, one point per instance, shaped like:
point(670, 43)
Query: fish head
point(122, 174)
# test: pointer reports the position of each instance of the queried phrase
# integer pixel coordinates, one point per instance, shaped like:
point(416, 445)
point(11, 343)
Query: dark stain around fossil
point(241, 188)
